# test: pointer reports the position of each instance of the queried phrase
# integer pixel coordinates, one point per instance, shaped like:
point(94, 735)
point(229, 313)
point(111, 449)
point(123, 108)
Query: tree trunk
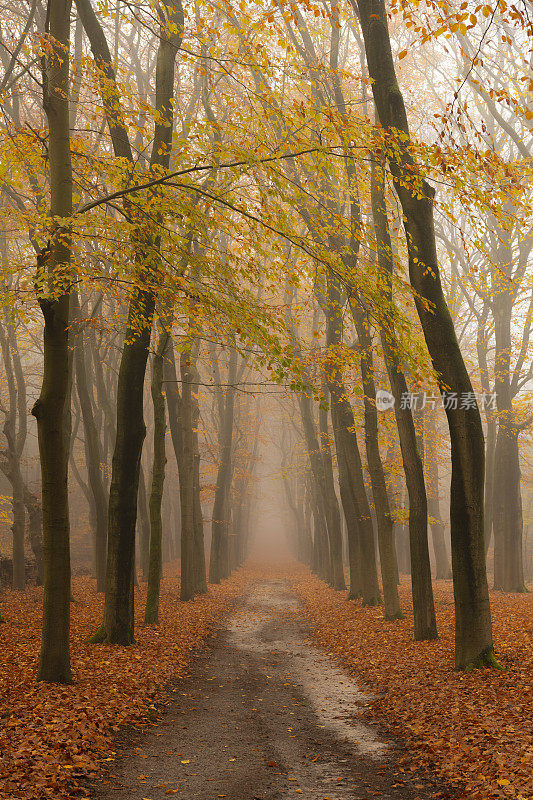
point(94, 457)
point(33, 508)
point(49, 410)
point(354, 498)
point(507, 499)
point(425, 623)
point(442, 564)
point(473, 628)
point(490, 449)
point(387, 554)
point(18, 530)
point(322, 523)
point(143, 524)
point(508, 525)
point(200, 575)
point(118, 613)
point(219, 560)
point(151, 615)
point(187, 499)
point(333, 514)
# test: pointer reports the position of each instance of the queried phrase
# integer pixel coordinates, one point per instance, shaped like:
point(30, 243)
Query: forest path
point(262, 716)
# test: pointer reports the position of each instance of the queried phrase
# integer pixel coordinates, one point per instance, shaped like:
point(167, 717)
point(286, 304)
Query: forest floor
point(298, 693)
point(264, 715)
point(52, 737)
point(473, 730)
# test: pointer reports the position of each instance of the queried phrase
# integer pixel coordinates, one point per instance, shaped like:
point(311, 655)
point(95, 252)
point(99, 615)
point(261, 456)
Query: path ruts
point(262, 716)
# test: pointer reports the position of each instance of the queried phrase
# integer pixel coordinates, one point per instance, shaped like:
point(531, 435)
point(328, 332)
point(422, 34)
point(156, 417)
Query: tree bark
point(94, 457)
point(151, 615)
point(506, 499)
point(118, 613)
point(442, 563)
point(387, 554)
point(425, 623)
point(143, 524)
point(187, 500)
point(219, 560)
point(53, 268)
point(333, 514)
point(473, 628)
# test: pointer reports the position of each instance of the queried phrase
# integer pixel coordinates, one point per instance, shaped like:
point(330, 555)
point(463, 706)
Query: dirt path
point(262, 716)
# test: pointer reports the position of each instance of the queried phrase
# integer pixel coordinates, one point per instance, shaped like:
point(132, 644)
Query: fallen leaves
point(474, 729)
point(53, 736)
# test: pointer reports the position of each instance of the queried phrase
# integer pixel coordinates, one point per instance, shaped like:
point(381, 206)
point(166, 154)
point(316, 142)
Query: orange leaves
point(52, 736)
point(472, 728)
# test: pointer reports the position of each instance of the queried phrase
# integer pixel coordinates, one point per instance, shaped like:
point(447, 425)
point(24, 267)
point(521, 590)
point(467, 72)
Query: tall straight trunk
point(353, 490)
point(403, 550)
point(425, 623)
point(218, 563)
point(506, 499)
point(482, 344)
point(187, 586)
point(15, 431)
point(335, 530)
point(33, 509)
point(387, 553)
point(442, 564)
point(18, 531)
point(94, 457)
point(200, 575)
point(143, 524)
point(473, 627)
point(322, 523)
point(151, 614)
point(174, 404)
point(507, 507)
point(364, 580)
point(490, 451)
point(118, 622)
point(53, 269)
point(10, 466)
point(320, 561)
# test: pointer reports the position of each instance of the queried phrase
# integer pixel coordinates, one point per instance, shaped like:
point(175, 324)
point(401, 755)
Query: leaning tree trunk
point(151, 614)
point(49, 410)
point(473, 627)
